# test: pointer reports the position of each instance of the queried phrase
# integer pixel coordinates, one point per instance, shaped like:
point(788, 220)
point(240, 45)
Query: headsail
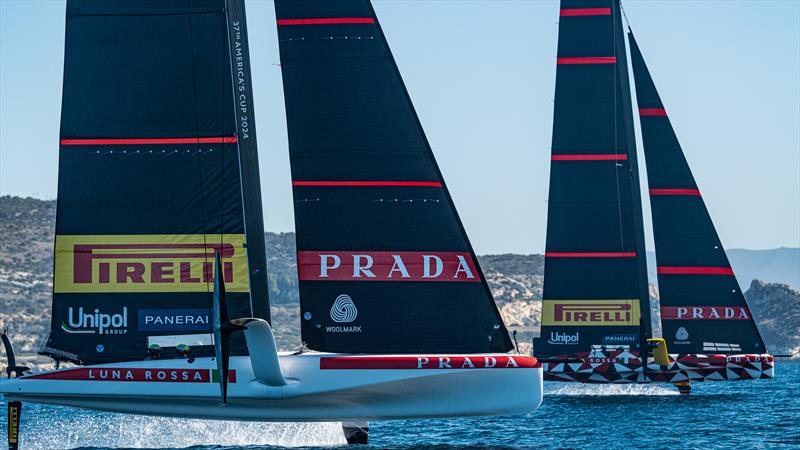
point(595, 285)
point(702, 307)
point(150, 180)
point(383, 260)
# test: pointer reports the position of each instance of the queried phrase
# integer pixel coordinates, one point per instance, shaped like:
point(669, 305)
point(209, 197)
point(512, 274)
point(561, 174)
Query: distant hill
point(26, 255)
point(779, 265)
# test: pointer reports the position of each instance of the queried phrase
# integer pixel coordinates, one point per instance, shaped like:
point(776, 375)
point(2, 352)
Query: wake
point(53, 427)
point(607, 389)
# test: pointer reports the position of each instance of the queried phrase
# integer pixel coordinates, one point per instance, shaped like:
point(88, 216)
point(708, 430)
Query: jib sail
point(383, 260)
point(702, 307)
point(595, 285)
point(157, 173)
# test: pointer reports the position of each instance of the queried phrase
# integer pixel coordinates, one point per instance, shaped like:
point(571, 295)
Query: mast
point(703, 309)
point(383, 260)
point(150, 183)
point(595, 288)
point(248, 158)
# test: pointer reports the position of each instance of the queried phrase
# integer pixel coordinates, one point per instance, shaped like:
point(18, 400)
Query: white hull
point(320, 387)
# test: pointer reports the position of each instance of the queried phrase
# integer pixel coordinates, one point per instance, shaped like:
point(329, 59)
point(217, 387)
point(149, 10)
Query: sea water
point(741, 414)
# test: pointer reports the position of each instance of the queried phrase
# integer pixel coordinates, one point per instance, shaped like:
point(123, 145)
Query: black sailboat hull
point(614, 368)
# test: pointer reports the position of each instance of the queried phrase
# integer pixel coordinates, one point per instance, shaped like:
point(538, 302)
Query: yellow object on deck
point(660, 354)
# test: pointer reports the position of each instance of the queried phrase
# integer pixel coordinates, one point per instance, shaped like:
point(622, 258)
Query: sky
point(481, 75)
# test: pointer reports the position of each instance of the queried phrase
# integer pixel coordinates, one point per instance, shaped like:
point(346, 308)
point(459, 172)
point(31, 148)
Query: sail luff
point(703, 309)
point(629, 135)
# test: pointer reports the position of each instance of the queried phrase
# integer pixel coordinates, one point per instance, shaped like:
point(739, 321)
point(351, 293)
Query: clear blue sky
point(482, 75)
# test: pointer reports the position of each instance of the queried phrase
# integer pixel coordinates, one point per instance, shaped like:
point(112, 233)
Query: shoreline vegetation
point(26, 255)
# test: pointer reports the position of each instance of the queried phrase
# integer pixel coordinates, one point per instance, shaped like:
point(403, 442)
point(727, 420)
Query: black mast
point(248, 158)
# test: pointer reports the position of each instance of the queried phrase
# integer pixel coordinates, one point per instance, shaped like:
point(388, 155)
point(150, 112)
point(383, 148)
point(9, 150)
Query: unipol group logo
point(148, 263)
point(564, 338)
point(386, 266)
point(343, 309)
point(591, 312)
point(87, 321)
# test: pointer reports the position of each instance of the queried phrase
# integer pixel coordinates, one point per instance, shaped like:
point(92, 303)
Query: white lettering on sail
point(427, 266)
point(399, 266)
point(463, 267)
point(358, 269)
point(324, 266)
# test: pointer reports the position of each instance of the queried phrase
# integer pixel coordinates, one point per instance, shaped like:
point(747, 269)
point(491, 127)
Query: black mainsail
point(383, 260)
point(703, 309)
point(595, 285)
point(157, 173)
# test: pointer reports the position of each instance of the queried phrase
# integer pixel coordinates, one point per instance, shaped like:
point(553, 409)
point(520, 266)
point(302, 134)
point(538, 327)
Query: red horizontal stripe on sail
point(423, 362)
point(590, 157)
point(694, 270)
point(152, 141)
point(327, 21)
point(704, 313)
point(652, 112)
point(573, 12)
point(590, 254)
point(694, 192)
point(360, 266)
point(368, 183)
point(588, 60)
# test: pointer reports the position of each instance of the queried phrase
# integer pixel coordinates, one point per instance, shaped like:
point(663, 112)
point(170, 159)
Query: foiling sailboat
point(158, 194)
point(596, 320)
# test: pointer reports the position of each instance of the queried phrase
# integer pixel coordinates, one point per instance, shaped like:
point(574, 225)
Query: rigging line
point(616, 137)
point(624, 16)
point(199, 155)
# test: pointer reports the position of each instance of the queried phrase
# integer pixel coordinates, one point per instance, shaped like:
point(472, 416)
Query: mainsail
point(157, 173)
point(595, 285)
point(702, 306)
point(383, 260)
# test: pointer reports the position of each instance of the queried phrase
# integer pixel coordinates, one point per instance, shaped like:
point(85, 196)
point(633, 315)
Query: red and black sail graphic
point(157, 173)
point(702, 307)
point(595, 285)
point(383, 259)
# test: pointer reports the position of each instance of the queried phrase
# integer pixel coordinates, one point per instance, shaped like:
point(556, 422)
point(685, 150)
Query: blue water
point(745, 414)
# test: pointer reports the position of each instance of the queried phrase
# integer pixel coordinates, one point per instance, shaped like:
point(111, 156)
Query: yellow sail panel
point(148, 263)
point(578, 313)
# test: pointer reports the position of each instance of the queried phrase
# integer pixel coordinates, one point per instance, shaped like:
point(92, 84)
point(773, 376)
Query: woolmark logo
point(343, 309)
point(148, 263)
point(82, 321)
